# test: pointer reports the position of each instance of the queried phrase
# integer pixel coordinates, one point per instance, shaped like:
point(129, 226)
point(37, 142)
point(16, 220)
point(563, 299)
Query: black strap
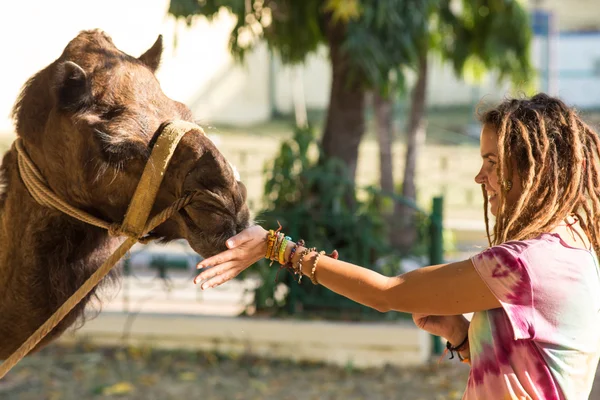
point(452, 349)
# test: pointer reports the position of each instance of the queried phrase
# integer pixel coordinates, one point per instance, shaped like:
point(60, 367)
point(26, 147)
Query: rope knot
point(116, 229)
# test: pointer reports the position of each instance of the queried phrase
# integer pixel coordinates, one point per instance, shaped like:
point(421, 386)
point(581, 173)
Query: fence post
point(436, 248)
point(436, 228)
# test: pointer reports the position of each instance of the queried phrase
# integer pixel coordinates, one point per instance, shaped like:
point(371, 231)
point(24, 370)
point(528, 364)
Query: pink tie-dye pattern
point(493, 363)
point(511, 347)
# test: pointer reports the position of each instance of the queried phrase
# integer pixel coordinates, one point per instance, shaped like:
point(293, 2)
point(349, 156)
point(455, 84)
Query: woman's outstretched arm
point(448, 289)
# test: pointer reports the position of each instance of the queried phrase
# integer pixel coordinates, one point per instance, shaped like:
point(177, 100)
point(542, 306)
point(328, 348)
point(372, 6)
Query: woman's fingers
point(244, 236)
point(218, 275)
point(238, 239)
point(220, 279)
point(228, 264)
point(213, 271)
point(218, 259)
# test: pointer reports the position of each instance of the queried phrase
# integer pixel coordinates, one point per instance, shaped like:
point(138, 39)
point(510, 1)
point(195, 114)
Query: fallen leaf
point(187, 376)
point(118, 388)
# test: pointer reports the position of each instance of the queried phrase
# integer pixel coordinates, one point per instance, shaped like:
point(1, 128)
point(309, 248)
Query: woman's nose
point(480, 178)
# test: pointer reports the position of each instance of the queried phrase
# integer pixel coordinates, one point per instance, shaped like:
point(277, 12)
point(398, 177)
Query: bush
point(313, 199)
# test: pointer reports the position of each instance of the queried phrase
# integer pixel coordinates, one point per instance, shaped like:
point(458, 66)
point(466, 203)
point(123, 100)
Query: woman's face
point(488, 175)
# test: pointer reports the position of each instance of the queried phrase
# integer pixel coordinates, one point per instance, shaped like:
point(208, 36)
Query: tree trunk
point(384, 120)
point(415, 136)
point(345, 122)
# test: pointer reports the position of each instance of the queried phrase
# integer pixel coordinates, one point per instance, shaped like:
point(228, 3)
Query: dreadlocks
point(557, 157)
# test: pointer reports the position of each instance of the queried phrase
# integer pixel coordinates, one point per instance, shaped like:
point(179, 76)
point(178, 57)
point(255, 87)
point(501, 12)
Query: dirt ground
point(85, 372)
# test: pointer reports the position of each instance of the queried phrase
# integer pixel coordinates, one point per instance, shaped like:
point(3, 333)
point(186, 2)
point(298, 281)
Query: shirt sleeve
point(504, 270)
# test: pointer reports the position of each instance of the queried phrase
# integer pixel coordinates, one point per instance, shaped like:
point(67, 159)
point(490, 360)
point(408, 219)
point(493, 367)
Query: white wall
point(579, 69)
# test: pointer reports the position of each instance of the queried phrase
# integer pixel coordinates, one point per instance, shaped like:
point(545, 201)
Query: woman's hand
point(245, 248)
point(453, 328)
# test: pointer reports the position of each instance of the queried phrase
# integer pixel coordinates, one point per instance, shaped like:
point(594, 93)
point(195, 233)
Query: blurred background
point(354, 124)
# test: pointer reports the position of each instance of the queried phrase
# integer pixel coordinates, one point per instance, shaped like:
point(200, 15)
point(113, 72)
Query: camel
point(88, 121)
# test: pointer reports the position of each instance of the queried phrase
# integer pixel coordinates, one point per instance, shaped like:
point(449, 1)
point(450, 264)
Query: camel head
point(89, 121)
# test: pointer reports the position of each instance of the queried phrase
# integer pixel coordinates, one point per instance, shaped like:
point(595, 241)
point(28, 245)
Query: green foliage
point(384, 37)
point(387, 40)
point(485, 35)
point(292, 28)
point(309, 199)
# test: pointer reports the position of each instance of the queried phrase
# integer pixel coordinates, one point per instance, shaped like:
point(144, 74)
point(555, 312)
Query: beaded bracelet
point(289, 264)
point(298, 269)
point(312, 276)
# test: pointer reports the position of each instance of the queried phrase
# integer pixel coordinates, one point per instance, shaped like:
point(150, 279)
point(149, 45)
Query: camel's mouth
point(219, 209)
point(208, 227)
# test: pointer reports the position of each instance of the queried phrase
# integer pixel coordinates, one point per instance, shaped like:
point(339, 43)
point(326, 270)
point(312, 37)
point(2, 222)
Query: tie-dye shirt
point(544, 341)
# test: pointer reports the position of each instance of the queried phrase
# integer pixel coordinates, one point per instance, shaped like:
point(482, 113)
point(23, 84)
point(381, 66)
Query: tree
point(475, 37)
point(384, 42)
point(367, 39)
point(372, 44)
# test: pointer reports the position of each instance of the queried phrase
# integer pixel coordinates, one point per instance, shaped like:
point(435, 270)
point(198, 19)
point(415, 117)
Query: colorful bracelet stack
point(277, 245)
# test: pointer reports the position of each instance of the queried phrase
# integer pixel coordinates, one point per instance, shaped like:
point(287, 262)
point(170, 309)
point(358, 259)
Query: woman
point(535, 292)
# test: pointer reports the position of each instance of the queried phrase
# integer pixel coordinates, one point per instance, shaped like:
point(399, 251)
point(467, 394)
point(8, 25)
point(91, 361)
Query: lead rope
point(135, 224)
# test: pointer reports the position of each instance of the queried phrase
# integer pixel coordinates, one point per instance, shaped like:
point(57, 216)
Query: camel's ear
point(72, 87)
point(152, 56)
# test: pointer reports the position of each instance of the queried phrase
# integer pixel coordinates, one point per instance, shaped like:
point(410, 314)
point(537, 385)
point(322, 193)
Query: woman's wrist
point(459, 339)
point(295, 256)
point(459, 331)
point(286, 252)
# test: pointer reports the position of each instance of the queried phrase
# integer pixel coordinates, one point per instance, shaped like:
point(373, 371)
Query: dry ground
point(85, 372)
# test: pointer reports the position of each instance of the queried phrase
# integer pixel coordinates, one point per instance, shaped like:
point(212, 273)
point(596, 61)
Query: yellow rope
point(134, 225)
point(39, 190)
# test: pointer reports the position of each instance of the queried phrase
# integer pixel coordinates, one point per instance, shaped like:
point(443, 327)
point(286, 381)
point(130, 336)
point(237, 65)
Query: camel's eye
point(112, 113)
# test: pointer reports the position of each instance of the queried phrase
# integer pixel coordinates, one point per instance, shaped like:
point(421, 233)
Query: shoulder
point(543, 245)
point(508, 252)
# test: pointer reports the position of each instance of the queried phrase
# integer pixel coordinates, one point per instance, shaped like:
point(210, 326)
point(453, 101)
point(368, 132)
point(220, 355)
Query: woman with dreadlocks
point(535, 292)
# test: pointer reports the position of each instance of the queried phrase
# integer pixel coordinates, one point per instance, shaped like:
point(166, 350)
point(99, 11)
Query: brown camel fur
point(88, 121)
